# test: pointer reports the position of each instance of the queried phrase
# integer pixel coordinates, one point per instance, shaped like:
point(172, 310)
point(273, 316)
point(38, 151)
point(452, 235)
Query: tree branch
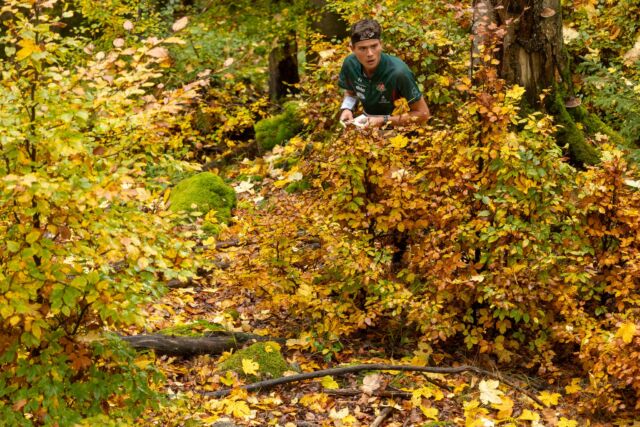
point(373, 367)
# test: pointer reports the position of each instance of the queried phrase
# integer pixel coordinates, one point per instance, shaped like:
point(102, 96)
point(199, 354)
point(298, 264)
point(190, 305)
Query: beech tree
point(525, 38)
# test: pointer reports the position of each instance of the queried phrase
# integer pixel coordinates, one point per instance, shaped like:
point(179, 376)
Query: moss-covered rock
point(271, 363)
point(280, 128)
point(204, 192)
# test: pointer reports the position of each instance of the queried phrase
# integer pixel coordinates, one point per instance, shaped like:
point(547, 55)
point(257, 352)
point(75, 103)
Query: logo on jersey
point(381, 87)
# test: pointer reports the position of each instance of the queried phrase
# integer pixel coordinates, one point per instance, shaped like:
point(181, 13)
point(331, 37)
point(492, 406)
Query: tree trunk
point(283, 68)
point(326, 22)
point(532, 55)
point(532, 48)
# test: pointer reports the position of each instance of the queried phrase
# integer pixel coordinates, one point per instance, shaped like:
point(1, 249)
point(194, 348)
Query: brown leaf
point(158, 52)
point(180, 23)
point(547, 12)
point(19, 405)
point(572, 102)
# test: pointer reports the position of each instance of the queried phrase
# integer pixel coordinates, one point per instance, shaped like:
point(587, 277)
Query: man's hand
point(346, 116)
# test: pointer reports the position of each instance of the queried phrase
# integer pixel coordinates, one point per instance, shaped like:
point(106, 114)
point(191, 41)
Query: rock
point(203, 193)
point(266, 354)
point(280, 128)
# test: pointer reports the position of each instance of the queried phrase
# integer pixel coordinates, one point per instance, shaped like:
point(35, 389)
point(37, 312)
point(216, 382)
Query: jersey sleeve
point(407, 86)
point(343, 79)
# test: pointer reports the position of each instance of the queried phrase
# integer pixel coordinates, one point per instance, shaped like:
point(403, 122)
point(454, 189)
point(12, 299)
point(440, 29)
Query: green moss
point(593, 125)
point(280, 128)
point(569, 134)
point(266, 354)
point(204, 192)
point(197, 328)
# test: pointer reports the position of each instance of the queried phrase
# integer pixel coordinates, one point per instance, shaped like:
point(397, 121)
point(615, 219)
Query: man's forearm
point(410, 117)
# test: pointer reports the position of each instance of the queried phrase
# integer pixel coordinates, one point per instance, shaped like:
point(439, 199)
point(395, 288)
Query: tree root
point(373, 367)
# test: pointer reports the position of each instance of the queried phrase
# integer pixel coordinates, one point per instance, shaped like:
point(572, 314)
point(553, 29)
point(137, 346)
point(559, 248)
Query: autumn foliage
point(473, 236)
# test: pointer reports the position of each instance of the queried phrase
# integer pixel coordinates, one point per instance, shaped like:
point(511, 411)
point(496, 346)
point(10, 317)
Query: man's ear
point(351, 47)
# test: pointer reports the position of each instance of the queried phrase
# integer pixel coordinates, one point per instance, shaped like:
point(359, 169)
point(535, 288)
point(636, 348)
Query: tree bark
point(532, 55)
point(326, 22)
point(283, 68)
point(214, 343)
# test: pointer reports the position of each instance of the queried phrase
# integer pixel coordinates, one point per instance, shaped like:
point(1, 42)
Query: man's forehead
point(367, 43)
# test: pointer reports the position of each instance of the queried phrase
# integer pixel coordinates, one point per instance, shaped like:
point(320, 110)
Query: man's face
point(368, 53)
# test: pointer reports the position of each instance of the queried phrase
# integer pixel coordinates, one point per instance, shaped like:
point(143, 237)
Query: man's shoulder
point(395, 64)
point(351, 61)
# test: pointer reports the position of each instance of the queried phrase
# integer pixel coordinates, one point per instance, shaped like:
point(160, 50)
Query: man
point(377, 79)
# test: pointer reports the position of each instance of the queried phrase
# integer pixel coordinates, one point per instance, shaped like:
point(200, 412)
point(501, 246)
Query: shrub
point(81, 247)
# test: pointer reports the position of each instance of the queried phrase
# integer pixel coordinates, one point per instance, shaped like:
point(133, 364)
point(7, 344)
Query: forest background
point(480, 240)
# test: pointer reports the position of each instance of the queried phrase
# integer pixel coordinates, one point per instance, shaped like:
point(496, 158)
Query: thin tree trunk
point(283, 68)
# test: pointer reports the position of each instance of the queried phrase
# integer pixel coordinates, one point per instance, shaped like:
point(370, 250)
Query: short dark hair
point(365, 29)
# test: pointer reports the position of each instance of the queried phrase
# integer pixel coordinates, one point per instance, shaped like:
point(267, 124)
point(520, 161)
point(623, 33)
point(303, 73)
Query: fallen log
point(211, 343)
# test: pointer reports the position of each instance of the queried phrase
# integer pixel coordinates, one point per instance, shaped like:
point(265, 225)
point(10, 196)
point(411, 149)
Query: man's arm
point(419, 113)
point(346, 112)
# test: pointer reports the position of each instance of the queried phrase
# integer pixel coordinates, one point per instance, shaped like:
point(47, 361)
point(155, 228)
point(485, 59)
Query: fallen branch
point(353, 392)
point(372, 367)
point(211, 343)
point(383, 415)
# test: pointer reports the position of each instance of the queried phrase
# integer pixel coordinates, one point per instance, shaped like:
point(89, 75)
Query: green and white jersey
point(392, 80)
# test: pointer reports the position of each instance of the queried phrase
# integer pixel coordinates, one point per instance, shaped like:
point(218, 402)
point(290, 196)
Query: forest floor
point(385, 398)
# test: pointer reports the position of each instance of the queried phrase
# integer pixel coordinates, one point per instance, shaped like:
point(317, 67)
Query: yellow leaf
point(399, 141)
point(515, 92)
point(567, 423)
point(271, 346)
point(28, 47)
point(329, 383)
point(430, 412)
point(627, 332)
point(36, 331)
point(574, 387)
point(174, 40)
point(237, 408)
point(528, 415)
point(250, 367)
point(143, 363)
point(227, 379)
point(505, 409)
point(549, 398)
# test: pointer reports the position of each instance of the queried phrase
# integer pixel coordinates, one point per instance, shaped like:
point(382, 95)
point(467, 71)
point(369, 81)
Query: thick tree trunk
point(532, 55)
point(532, 50)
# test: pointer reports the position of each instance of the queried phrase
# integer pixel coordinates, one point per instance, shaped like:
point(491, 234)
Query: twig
point(383, 415)
point(354, 392)
point(372, 367)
